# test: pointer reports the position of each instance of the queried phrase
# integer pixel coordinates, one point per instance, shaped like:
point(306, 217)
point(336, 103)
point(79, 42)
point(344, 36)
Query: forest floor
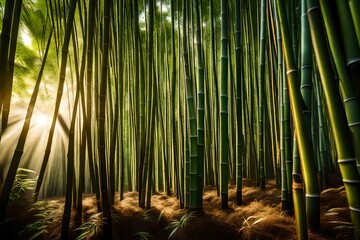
point(259, 217)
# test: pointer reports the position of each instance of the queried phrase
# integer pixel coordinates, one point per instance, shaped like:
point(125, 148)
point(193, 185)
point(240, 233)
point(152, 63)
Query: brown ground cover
point(259, 217)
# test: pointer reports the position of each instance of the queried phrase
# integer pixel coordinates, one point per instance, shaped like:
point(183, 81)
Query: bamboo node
point(354, 209)
point(354, 124)
point(346, 160)
point(308, 195)
point(291, 71)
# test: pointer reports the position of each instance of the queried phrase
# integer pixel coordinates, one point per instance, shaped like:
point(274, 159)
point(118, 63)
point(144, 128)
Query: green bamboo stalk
point(298, 195)
point(299, 206)
point(81, 187)
point(345, 151)
point(306, 68)
point(215, 84)
point(140, 96)
point(321, 139)
point(70, 172)
point(240, 137)
point(272, 92)
point(10, 65)
point(114, 123)
point(280, 75)
point(261, 93)
point(150, 108)
point(224, 150)
point(121, 10)
point(82, 130)
point(88, 122)
point(191, 117)
point(306, 89)
point(4, 48)
point(354, 8)
point(200, 105)
point(305, 148)
point(106, 216)
point(173, 93)
point(287, 139)
point(292, 21)
point(350, 44)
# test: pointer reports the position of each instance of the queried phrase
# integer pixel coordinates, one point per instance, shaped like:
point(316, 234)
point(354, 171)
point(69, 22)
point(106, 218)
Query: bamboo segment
point(299, 207)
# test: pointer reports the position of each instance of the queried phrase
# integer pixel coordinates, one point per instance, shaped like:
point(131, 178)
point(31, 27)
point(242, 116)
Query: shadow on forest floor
point(259, 217)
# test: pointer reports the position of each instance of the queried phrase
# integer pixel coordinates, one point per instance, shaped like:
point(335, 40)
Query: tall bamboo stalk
point(240, 137)
point(200, 105)
point(261, 93)
point(89, 107)
point(224, 148)
point(7, 92)
point(4, 48)
point(70, 170)
point(305, 148)
point(106, 216)
point(191, 117)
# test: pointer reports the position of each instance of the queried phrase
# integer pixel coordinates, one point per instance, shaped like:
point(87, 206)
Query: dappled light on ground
point(259, 217)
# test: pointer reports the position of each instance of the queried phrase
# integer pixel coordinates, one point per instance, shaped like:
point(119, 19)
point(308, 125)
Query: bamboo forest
point(180, 119)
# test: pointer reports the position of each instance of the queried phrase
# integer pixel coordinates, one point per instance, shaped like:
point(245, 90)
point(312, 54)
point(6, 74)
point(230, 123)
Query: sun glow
point(41, 120)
